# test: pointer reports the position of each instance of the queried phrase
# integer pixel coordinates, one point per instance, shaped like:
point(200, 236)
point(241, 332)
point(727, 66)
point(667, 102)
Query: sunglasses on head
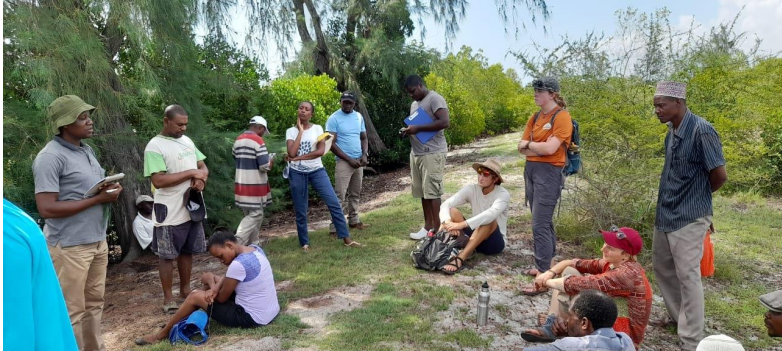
point(619, 234)
point(485, 172)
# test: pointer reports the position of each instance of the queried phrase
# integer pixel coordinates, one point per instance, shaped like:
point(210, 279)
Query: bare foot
point(148, 340)
point(184, 293)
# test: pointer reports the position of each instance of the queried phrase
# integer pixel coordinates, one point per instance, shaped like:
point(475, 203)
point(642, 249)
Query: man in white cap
point(143, 226)
point(694, 168)
point(251, 184)
point(487, 228)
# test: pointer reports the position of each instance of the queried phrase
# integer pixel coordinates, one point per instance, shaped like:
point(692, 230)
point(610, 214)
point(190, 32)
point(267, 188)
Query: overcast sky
point(482, 28)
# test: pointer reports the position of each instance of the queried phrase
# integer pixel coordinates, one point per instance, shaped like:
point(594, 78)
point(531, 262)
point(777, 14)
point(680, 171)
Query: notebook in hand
point(420, 117)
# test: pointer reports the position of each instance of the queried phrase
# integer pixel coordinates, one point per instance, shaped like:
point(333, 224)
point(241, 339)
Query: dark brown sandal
point(455, 261)
point(533, 290)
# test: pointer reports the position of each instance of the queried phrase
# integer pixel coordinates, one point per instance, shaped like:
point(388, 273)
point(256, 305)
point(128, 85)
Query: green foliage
point(504, 103)
point(22, 139)
point(388, 103)
point(622, 141)
point(467, 118)
point(281, 99)
point(230, 85)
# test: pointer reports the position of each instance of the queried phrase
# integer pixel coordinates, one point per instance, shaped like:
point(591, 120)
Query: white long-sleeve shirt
point(485, 208)
point(142, 228)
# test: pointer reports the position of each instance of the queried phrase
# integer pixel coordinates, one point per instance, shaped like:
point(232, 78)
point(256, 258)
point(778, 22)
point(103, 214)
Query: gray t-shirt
point(70, 171)
point(431, 103)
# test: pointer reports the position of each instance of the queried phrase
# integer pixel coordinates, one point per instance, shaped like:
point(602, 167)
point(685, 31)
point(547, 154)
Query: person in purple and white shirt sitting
point(244, 298)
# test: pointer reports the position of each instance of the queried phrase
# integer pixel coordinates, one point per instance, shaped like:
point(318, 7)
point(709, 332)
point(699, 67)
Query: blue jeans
point(300, 193)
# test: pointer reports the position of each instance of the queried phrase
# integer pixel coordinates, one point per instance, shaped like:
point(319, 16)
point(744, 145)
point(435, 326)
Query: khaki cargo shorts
point(427, 173)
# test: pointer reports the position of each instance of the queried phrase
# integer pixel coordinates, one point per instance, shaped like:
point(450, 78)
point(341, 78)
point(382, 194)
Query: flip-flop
point(533, 290)
point(142, 342)
point(306, 248)
point(354, 244)
point(170, 307)
point(545, 332)
point(459, 264)
point(529, 272)
point(663, 323)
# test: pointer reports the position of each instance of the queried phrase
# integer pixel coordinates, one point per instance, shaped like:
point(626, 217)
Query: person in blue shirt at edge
point(589, 326)
point(34, 312)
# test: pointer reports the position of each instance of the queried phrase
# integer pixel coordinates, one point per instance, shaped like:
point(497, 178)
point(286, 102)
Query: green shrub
point(280, 100)
point(772, 139)
point(467, 118)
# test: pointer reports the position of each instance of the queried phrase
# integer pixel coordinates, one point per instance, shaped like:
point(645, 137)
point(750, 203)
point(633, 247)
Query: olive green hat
point(65, 110)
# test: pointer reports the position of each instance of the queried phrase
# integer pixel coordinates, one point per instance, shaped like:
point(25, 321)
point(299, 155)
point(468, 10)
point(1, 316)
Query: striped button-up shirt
point(691, 152)
point(251, 184)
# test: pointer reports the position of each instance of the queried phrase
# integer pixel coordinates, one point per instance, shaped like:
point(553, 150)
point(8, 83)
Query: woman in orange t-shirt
point(544, 144)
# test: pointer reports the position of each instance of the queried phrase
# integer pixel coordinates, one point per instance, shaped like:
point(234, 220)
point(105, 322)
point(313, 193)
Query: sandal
point(455, 261)
point(142, 342)
point(170, 307)
point(544, 333)
point(533, 290)
point(354, 244)
point(306, 248)
point(663, 323)
point(532, 272)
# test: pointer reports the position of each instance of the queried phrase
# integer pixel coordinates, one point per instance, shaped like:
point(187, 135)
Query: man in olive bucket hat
point(486, 229)
point(75, 226)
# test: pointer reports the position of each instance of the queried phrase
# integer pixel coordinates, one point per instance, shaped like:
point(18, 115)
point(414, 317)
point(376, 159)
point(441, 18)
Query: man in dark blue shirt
point(694, 168)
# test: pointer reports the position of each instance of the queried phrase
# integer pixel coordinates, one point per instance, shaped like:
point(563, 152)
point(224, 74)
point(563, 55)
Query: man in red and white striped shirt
point(251, 184)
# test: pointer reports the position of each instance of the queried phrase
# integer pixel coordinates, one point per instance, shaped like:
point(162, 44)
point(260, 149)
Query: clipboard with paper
point(420, 117)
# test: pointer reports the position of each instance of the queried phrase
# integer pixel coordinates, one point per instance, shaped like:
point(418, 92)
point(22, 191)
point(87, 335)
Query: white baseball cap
point(262, 121)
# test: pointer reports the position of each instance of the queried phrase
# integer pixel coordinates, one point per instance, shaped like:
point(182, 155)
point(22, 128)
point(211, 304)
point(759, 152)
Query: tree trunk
point(120, 149)
point(321, 58)
point(125, 155)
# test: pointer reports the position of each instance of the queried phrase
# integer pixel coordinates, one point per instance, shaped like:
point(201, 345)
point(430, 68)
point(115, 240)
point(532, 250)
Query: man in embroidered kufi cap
point(694, 169)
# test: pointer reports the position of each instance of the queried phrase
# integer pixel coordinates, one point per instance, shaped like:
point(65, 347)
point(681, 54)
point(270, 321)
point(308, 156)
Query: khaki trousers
point(676, 257)
point(250, 226)
point(560, 301)
point(347, 183)
point(81, 271)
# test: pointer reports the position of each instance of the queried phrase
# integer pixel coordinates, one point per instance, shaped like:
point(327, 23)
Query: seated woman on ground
point(617, 274)
point(244, 298)
point(487, 228)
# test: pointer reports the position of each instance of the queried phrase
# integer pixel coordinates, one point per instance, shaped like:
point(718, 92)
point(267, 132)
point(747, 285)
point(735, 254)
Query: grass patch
point(467, 338)
point(399, 311)
point(403, 307)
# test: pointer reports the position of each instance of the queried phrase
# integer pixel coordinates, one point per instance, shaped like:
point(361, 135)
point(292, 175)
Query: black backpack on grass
point(434, 250)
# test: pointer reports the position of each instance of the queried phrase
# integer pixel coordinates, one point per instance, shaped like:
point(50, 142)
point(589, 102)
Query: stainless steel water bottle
point(483, 304)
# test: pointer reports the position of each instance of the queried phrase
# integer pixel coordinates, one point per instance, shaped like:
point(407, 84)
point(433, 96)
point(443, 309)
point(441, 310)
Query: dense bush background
point(609, 93)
